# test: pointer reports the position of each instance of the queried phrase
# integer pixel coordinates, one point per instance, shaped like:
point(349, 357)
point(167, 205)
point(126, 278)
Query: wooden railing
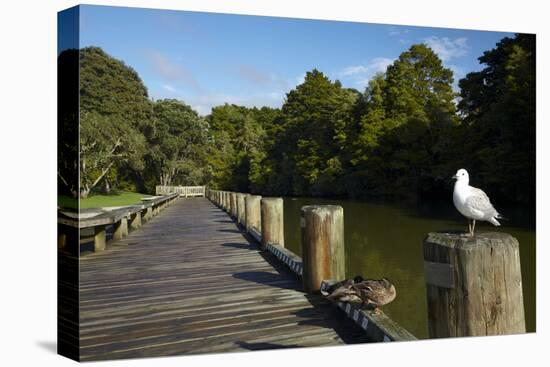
point(477, 277)
point(185, 191)
point(89, 225)
point(262, 219)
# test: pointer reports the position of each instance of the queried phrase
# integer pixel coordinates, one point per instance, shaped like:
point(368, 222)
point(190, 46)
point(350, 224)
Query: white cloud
point(447, 48)
point(353, 70)
point(396, 31)
point(458, 73)
point(169, 88)
point(171, 71)
point(360, 75)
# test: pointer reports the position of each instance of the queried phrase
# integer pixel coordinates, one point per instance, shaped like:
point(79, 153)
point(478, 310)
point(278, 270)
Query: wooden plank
point(378, 326)
point(190, 282)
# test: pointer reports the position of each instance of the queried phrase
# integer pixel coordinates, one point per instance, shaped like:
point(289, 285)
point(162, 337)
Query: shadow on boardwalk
point(189, 282)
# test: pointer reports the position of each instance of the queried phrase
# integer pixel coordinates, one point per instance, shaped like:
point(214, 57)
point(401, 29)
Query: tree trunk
point(84, 192)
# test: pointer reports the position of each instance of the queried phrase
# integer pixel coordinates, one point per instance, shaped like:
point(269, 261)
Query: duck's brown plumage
point(376, 292)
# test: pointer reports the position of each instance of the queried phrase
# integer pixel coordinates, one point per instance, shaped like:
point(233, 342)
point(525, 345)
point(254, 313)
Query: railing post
point(253, 212)
point(473, 284)
point(135, 221)
point(121, 229)
point(322, 245)
point(100, 239)
point(234, 204)
point(148, 214)
point(241, 209)
point(272, 222)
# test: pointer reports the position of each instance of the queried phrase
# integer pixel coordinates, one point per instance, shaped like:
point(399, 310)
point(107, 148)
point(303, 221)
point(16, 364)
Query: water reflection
point(386, 240)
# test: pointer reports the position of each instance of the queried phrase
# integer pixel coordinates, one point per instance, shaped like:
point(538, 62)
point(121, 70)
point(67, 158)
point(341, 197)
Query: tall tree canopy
point(314, 121)
point(176, 140)
point(498, 105)
point(113, 107)
point(399, 144)
point(403, 136)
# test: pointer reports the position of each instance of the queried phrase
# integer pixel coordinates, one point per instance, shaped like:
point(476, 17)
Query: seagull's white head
point(462, 176)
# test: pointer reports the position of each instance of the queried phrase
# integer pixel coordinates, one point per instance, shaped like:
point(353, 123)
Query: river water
point(385, 240)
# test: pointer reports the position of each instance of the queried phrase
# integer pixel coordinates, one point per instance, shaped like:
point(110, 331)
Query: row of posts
point(473, 284)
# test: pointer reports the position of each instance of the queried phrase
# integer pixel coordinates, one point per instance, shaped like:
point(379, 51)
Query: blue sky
point(207, 59)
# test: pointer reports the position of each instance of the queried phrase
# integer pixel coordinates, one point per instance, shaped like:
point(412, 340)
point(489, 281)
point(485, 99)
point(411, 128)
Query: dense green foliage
point(499, 125)
point(176, 139)
point(113, 107)
point(402, 137)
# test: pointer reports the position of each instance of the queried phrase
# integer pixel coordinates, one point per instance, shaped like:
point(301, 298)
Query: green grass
point(97, 201)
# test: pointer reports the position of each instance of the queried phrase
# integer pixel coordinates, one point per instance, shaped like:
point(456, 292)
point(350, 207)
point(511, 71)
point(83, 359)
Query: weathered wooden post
point(120, 229)
point(135, 220)
point(253, 212)
point(473, 284)
point(322, 245)
point(100, 239)
point(225, 203)
point(148, 214)
point(272, 222)
point(241, 209)
point(234, 204)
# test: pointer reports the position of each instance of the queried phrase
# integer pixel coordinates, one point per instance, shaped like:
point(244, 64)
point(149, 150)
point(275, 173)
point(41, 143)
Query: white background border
point(28, 180)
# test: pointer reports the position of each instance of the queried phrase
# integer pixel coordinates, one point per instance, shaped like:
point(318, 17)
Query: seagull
point(472, 202)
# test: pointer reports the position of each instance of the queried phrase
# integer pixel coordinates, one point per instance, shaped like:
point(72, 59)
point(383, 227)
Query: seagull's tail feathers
point(498, 216)
point(494, 221)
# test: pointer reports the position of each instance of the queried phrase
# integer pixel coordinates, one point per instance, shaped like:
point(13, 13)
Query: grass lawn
point(96, 201)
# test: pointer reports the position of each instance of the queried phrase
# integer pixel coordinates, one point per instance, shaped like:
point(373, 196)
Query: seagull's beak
point(455, 177)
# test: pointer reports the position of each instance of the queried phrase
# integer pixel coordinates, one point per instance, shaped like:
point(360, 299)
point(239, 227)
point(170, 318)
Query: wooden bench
point(72, 225)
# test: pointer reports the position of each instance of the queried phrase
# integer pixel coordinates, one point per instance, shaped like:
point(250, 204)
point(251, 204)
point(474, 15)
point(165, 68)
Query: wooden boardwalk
point(190, 282)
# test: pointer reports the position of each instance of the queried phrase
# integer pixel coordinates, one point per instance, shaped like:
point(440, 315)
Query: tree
point(67, 129)
point(114, 107)
point(405, 128)
point(498, 105)
point(106, 142)
point(238, 134)
point(315, 117)
point(176, 140)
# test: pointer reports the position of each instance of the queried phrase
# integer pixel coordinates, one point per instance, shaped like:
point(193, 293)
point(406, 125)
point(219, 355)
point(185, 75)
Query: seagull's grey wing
point(478, 200)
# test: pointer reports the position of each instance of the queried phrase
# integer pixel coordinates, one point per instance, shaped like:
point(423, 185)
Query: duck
point(368, 293)
point(341, 291)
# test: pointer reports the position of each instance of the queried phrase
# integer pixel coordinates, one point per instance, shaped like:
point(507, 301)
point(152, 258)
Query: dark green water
point(385, 240)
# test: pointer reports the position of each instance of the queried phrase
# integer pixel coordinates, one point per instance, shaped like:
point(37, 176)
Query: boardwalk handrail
point(378, 326)
point(185, 191)
point(70, 222)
